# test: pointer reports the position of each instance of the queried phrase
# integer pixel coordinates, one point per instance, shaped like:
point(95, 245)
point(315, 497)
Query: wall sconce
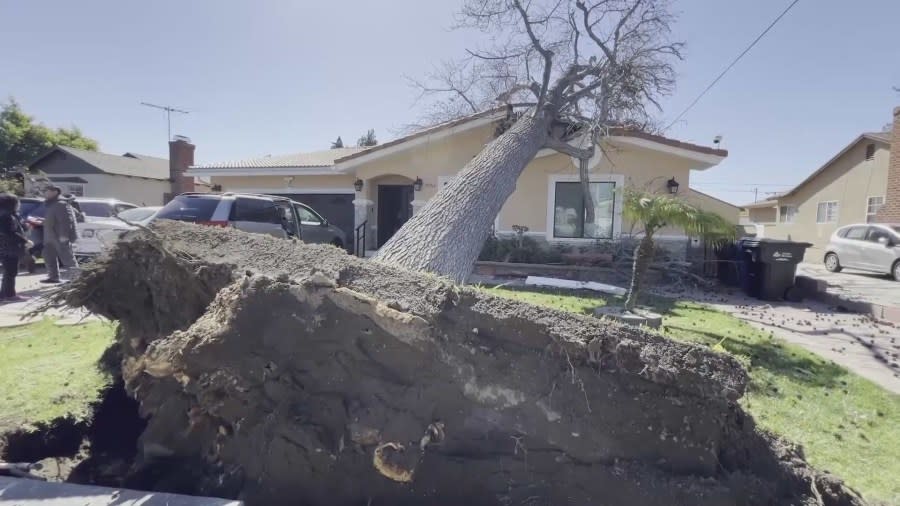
point(417, 185)
point(358, 185)
point(672, 185)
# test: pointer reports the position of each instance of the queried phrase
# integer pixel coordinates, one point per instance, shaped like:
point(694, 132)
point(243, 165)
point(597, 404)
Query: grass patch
point(48, 372)
point(846, 424)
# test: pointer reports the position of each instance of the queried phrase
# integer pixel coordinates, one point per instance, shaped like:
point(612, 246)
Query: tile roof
point(882, 136)
point(627, 132)
point(148, 167)
point(323, 158)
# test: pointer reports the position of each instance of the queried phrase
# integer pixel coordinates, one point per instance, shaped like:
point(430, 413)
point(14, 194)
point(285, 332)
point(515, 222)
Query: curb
point(818, 289)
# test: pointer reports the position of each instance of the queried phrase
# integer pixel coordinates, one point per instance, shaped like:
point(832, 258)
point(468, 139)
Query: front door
point(394, 209)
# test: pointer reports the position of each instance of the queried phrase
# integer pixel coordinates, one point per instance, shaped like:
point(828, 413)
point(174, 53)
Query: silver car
point(868, 247)
point(261, 214)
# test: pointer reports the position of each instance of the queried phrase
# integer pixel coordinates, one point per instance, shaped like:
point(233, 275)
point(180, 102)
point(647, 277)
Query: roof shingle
point(148, 167)
point(323, 158)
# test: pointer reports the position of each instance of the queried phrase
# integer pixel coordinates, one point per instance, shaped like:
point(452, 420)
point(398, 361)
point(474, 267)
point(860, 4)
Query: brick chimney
point(181, 156)
point(890, 211)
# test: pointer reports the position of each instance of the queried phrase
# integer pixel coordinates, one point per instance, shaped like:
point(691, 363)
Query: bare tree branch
point(547, 54)
point(568, 149)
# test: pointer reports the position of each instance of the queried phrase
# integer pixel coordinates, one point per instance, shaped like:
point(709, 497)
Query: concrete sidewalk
point(13, 314)
point(858, 291)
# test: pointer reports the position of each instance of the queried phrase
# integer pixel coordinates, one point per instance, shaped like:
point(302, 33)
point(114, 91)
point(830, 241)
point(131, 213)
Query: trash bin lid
point(755, 243)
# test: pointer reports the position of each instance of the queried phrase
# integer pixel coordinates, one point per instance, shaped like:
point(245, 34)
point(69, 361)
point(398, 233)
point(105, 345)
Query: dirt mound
point(285, 373)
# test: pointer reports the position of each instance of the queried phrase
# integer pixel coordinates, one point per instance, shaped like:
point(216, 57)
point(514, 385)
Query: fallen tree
point(285, 373)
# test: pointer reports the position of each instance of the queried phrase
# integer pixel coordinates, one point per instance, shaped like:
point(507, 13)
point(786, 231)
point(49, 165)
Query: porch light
point(358, 184)
point(672, 185)
point(417, 185)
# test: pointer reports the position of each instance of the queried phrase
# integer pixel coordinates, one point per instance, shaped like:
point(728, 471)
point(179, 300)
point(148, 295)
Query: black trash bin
point(771, 266)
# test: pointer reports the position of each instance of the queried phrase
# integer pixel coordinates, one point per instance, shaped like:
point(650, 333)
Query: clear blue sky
point(271, 77)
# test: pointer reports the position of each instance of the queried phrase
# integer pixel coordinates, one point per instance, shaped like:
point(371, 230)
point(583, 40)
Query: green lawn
point(846, 424)
point(48, 372)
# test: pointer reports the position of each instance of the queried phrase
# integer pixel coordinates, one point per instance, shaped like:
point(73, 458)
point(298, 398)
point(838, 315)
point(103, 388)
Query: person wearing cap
point(59, 234)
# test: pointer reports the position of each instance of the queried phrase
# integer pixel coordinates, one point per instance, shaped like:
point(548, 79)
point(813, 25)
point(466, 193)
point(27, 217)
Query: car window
point(307, 215)
point(288, 219)
point(27, 207)
point(876, 233)
point(97, 209)
point(858, 233)
point(123, 207)
point(136, 214)
point(189, 208)
point(256, 210)
point(37, 211)
point(896, 228)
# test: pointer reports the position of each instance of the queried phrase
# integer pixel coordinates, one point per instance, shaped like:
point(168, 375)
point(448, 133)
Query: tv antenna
point(169, 110)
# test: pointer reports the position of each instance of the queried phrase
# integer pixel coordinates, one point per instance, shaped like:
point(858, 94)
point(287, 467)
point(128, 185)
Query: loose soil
point(284, 373)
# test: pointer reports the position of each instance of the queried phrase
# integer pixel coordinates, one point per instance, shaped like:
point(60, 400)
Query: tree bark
point(447, 235)
point(643, 255)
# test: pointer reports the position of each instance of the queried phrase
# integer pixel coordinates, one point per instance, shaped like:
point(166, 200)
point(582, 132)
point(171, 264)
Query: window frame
point(870, 215)
point(781, 215)
point(837, 213)
point(617, 179)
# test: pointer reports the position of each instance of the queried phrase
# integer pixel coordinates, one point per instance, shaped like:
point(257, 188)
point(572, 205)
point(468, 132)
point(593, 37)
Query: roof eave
point(322, 170)
point(704, 160)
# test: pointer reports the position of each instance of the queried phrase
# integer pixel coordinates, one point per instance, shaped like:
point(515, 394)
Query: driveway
point(871, 293)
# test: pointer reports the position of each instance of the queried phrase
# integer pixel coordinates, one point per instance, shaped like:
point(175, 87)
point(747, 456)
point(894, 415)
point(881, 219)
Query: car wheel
point(832, 263)
point(896, 270)
point(337, 243)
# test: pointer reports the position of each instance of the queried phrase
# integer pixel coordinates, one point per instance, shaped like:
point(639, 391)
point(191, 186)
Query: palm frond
point(654, 211)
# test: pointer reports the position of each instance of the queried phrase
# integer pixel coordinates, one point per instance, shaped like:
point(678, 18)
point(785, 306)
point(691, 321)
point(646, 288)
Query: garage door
point(337, 208)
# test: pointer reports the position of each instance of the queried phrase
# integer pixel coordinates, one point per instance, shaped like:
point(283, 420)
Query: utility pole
point(169, 110)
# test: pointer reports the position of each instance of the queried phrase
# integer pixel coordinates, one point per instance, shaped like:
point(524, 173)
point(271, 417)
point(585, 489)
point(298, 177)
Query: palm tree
point(652, 212)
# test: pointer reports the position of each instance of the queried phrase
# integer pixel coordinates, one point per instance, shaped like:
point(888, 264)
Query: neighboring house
point(377, 189)
point(139, 179)
point(851, 187)
point(134, 178)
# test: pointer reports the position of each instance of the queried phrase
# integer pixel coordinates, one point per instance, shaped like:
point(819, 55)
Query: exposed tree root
point(286, 373)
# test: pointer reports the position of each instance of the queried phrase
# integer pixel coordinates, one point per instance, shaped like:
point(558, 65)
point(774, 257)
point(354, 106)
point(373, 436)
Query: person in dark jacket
point(13, 243)
point(59, 234)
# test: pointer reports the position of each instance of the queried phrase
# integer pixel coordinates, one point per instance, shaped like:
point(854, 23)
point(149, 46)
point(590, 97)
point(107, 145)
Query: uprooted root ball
point(298, 374)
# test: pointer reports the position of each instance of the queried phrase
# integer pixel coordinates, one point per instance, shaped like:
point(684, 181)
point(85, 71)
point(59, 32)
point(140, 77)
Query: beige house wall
point(138, 191)
point(705, 202)
point(762, 214)
point(278, 184)
point(849, 180)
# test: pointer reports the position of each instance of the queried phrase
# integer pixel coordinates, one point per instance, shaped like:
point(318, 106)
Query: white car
point(93, 208)
point(97, 234)
point(873, 247)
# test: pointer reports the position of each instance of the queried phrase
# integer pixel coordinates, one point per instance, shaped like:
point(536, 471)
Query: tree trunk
point(643, 255)
point(447, 234)
point(585, 178)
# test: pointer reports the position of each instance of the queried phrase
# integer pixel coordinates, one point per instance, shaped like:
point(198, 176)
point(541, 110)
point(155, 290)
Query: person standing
point(13, 244)
point(59, 234)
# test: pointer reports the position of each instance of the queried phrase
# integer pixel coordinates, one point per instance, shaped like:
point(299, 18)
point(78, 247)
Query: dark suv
point(262, 214)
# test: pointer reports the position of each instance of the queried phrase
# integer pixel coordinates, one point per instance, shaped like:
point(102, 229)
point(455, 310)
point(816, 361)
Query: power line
point(733, 63)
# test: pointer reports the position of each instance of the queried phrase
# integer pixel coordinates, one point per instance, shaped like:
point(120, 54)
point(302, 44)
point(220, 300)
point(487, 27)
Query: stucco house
point(375, 190)
point(851, 187)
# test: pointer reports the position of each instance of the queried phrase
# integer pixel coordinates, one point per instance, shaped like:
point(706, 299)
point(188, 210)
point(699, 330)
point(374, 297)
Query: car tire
point(337, 243)
point(895, 270)
point(832, 263)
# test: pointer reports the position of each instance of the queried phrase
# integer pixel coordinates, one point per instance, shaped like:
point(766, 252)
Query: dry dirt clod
point(318, 347)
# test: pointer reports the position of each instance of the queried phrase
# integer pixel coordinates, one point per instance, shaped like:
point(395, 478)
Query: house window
point(827, 212)
point(872, 207)
point(569, 220)
point(76, 190)
point(787, 214)
point(870, 151)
